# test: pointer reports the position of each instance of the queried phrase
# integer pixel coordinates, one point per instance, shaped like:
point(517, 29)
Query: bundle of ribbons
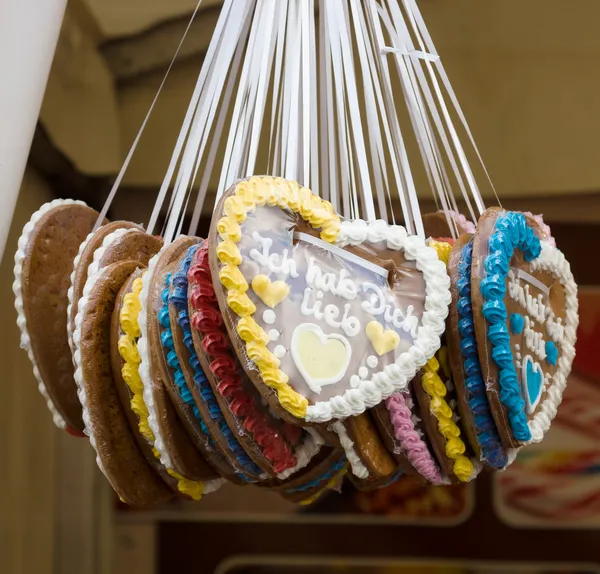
point(299, 344)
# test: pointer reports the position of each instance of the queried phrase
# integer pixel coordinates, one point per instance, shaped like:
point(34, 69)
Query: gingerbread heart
point(332, 315)
point(525, 298)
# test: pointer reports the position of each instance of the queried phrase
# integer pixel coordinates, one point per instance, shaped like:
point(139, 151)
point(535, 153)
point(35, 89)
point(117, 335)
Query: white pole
point(29, 32)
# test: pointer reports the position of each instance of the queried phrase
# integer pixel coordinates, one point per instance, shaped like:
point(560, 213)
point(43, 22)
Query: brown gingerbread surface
point(53, 244)
point(119, 455)
point(529, 294)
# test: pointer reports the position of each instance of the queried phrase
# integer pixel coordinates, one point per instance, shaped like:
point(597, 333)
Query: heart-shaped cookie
point(525, 305)
point(313, 347)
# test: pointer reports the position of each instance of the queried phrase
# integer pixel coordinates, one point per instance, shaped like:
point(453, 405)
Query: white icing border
point(304, 453)
point(358, 468)
point(395, 377)
point(17, 287)
point(144, 368)
point(553, 261)
point(94, 275)
point(79, 378)
point(70, 292)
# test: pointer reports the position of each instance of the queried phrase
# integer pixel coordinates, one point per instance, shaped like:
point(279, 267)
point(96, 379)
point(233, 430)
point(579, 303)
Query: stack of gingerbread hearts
point(291, 348)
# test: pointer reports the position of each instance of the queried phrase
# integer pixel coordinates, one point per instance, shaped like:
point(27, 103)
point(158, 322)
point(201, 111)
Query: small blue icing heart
point(517, 322)
point(551, 353)
point(533, 383)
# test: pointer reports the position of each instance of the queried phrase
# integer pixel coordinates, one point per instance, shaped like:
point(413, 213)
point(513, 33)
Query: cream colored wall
point(526, 73)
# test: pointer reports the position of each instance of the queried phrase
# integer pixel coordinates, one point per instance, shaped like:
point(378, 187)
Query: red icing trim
point(206, 319)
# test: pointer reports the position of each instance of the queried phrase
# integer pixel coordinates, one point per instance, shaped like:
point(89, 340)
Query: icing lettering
point(555, 329)
point(534, 341)
point(279, 264)
point(535, 306)
point(348, 323)
point(341, 286)
point(376, 305)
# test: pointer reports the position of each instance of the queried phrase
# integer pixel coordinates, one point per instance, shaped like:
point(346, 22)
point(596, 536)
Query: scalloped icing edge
point(304, 453)
point(17, 287)
point(395, 377)
point(553, 261)
point(358, 468)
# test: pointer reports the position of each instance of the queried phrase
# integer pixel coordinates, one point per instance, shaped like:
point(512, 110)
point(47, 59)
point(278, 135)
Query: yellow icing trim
point(128, 350)
point(436, 390)
point(333, 482)
point(249, 194)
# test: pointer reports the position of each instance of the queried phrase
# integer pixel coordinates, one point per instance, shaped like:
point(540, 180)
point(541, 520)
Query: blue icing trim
point(178, 297)
point(511, 232)
point(485, 427)
point(551, 353)
point(517, 323)
point(324, 478)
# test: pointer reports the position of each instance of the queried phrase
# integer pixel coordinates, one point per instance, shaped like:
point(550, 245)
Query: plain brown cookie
point(119, 456)
point(49, 249)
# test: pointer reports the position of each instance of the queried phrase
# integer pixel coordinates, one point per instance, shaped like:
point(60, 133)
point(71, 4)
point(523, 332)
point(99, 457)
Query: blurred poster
point(556, 484)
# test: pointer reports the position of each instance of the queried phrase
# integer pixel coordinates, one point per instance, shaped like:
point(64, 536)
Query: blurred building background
point(527, 75)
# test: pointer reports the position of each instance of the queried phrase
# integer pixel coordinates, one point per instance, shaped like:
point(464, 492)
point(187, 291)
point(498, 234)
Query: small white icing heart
point(321, 359)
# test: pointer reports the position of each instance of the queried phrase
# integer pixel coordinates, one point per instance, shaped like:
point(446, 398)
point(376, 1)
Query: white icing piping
point(144, 369)
point(304, 453)
point(18, 291)
point(552, 260)
point(94, 275)
point(356, 465)
point(212, 485)
point(70, 292)
point(79, 378)
point(394, 377)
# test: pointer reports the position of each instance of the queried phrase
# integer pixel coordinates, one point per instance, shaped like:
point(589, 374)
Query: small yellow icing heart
point(270, 293)
point(383, 341)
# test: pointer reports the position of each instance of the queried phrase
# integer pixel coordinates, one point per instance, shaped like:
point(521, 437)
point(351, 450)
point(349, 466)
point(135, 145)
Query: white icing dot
point(517, 347)
point(372, 361)
point(269, 316)
point(518, 356)
point(354, 381)
point(273, 334)
point(363, 372)
point(280, 351)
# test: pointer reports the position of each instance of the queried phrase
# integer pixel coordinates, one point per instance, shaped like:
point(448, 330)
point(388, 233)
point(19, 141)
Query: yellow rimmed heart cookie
point(332, 315)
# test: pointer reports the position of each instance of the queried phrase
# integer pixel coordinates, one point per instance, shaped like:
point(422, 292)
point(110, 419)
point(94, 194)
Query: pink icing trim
point(539, 219)
point(414, 447)
point(462, 222)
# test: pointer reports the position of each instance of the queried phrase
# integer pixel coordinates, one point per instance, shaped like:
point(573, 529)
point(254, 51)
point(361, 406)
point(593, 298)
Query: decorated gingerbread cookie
point(526, 316)
point(478, 422)
point(368, 458)
point(125, 358)
point(119, 456)
point(285, 447)
point(43, 264)
point(442, 224)
point(81, 263)
point(354, 324)
point(178, 435)
point(436, 395)
point(403, 433)
point(226, 452)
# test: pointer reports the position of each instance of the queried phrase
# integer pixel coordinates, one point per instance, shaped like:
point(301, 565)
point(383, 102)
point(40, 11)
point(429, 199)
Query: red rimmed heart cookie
point(118, 454)
point(286, 448)
point(43, 264)
point(526, 316)
point(354, 323)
